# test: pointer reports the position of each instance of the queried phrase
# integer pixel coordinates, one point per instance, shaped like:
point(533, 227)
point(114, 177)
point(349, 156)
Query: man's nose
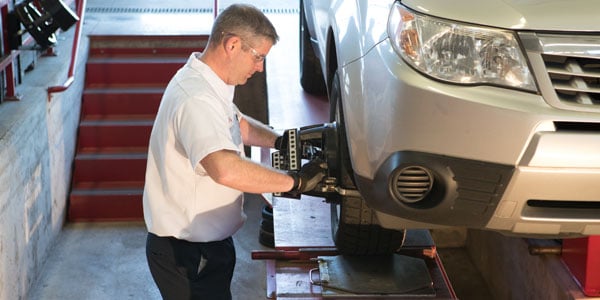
point(259, 66)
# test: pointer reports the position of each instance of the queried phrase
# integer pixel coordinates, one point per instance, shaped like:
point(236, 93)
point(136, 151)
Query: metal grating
point(576, 80)
point(167, 10)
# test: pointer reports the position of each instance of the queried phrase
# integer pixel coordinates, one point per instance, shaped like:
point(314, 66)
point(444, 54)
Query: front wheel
point(356, 230)
point(354, 226)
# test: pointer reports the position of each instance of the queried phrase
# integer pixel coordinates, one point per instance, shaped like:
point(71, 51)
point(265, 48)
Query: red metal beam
point(582, 257)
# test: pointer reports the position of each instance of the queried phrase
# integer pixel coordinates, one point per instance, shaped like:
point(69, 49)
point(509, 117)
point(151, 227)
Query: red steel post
point(582, 257)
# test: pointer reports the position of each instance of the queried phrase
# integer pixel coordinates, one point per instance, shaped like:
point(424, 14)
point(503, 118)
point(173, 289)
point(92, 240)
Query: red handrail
point(74, 51)
point(7, 63)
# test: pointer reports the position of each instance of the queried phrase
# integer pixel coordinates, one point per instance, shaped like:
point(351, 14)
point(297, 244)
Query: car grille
point(567, 68)
point(575, 79)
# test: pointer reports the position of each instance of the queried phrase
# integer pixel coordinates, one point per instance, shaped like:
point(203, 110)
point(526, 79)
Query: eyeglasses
point(257, 56)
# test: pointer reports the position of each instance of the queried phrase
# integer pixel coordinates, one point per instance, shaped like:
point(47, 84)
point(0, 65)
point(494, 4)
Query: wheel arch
point(331, 59)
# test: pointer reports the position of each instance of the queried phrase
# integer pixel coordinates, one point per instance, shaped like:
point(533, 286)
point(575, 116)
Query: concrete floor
point(98, 261)
point(107, 260)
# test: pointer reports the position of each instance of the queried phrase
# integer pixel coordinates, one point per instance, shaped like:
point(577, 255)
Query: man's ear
point(232, 43)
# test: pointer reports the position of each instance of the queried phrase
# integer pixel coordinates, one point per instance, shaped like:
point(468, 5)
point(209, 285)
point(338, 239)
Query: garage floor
point(107, 260)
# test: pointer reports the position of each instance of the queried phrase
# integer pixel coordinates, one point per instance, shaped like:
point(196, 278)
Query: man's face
point(250, 59)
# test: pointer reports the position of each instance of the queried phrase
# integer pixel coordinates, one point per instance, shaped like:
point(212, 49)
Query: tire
point(266, 238)
point(267, 212)
point(266, 234)
point(311, 74)
point(267, 225)
point(354, 226)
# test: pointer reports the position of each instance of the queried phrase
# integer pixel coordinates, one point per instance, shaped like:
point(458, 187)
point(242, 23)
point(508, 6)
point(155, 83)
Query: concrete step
point(110, 134)
point(89, 203)
point(109, 167)
point(120, 102)
point(131, 71)
point(138, 60)
point(146, 45)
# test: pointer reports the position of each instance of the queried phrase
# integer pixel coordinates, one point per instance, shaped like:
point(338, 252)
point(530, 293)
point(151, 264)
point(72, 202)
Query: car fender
point(333, 25)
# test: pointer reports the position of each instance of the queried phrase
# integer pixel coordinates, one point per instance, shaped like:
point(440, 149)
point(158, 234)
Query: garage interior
point(97, 250)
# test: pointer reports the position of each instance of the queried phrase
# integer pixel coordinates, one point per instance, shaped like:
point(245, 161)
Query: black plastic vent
point(412, 184)
point(577, 126)
point(595, 205)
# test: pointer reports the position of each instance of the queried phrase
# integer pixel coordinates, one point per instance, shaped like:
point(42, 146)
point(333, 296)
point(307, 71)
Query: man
point(197, 173)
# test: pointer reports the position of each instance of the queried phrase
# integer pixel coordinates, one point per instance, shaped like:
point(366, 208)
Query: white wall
point(37, 143)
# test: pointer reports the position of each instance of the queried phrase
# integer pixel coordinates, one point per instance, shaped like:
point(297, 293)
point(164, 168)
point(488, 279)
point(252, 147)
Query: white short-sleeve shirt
point(196, 117)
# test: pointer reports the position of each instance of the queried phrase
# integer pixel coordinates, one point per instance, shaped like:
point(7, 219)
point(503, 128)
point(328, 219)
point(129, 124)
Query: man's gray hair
point(245, 21)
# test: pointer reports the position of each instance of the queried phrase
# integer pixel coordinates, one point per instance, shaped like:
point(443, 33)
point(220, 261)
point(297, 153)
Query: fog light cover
point(411, 184)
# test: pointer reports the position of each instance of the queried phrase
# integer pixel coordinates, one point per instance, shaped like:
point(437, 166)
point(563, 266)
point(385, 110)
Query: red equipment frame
point(582, 257)
point(7, 62)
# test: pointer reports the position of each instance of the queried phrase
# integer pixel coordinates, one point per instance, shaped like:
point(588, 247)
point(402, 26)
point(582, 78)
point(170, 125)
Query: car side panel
point(350, 33)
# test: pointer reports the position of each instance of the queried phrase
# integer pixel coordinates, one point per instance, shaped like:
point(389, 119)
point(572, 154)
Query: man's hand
point(309, 175)
point(282, 141)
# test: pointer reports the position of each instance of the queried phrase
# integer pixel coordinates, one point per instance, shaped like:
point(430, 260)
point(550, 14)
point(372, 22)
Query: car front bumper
point(499, 157)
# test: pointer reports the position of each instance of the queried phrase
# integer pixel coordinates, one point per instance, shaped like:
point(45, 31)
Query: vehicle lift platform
point(305, 264)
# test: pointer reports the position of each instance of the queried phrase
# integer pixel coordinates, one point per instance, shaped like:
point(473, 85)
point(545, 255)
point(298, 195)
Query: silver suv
point(445, 113)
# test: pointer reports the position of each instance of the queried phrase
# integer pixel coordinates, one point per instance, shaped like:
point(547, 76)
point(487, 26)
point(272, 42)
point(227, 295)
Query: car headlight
point(459, 53)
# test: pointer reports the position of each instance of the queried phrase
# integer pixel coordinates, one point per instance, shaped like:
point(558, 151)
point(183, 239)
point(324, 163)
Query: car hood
point(554, 15)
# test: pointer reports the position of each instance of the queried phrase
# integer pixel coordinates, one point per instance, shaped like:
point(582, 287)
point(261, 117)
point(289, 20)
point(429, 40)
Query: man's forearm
point(255, 133)
point(229, 169)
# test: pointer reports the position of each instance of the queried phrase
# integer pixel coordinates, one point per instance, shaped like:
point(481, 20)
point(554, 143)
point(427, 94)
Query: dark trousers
point(188, 270)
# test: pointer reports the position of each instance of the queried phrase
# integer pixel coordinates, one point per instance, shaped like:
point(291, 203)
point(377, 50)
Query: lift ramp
point(306, 265)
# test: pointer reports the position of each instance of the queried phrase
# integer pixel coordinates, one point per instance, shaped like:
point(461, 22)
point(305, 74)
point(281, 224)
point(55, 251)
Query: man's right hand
point(282, 141)
point(309, 176)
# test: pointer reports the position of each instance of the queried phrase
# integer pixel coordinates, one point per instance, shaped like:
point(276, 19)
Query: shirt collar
point(224, 90)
